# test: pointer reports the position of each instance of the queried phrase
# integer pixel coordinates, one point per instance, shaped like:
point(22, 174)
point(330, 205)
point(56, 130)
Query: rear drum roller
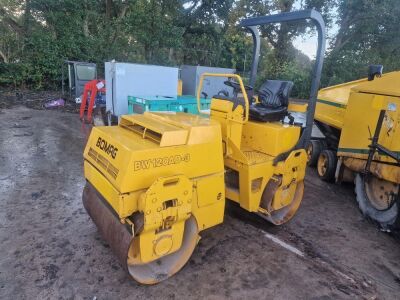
point(313, 150)
point(326, 165)
point(121, 241)
point(378, 200)
point(284, 214)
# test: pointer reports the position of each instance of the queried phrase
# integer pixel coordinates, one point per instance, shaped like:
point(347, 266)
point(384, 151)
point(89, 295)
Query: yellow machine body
point(354, 108)
point(361, 124)
point(250, 151)
point(332, 102)
point(148, 147)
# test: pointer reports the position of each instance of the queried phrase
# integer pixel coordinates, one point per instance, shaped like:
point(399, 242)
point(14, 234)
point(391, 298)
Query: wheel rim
point(322, 164)
point(386, 218)
point(380, 193)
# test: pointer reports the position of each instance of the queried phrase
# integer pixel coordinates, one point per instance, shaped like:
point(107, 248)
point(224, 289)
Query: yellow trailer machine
point(361, 124)
point(156, 180)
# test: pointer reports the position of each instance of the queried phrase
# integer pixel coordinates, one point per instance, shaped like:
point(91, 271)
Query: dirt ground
point(50, 249)
point(35, 99)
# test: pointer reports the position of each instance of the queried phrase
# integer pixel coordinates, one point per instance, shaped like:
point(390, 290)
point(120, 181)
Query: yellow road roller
point(156, 180)
point(360, 121)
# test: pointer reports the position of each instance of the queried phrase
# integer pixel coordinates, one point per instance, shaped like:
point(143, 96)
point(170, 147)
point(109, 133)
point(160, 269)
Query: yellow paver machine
point(361, 124)
point(156, 180)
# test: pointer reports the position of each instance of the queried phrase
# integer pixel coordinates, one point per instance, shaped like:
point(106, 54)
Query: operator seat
point(273, 98)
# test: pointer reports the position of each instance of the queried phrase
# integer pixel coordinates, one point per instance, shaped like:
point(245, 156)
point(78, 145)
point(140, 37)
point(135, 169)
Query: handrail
point(237, 77)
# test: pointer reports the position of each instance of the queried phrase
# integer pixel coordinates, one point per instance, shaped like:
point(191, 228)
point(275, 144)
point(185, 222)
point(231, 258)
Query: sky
point(308, 43)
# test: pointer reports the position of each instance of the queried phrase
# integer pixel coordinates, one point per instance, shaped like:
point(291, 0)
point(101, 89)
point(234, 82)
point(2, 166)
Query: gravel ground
point(51, 249)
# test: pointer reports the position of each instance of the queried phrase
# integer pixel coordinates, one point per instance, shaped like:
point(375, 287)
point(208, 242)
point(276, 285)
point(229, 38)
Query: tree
point(37, 35)
point(368, 34)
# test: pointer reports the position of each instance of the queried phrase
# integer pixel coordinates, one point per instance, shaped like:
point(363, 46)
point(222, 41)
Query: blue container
point(186, 103)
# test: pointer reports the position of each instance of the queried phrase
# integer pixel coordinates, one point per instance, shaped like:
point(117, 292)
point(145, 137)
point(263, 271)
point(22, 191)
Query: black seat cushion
point(275, 93)
point(273, 98)
point(259, 112)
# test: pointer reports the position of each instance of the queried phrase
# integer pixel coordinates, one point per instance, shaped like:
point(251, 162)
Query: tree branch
point(8, 20)
point(270, 38)
point(3, 56)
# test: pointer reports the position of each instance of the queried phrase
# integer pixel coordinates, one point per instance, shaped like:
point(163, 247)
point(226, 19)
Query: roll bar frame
point(252, 23)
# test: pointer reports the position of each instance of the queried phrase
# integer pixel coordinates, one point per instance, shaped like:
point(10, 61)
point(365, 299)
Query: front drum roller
point(121, 241)
point(378, 199)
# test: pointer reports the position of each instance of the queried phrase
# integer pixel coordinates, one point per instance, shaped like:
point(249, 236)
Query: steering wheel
point(236, 86)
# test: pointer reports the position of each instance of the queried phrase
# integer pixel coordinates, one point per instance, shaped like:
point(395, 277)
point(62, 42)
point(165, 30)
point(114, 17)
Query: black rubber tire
point(330, 165)
point(316, 147)
point(388, 219)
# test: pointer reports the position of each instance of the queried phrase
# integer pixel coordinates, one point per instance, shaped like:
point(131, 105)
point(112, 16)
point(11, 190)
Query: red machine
point(92, 88)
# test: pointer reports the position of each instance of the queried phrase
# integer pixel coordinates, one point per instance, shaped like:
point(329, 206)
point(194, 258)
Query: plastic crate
point(187, 104)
